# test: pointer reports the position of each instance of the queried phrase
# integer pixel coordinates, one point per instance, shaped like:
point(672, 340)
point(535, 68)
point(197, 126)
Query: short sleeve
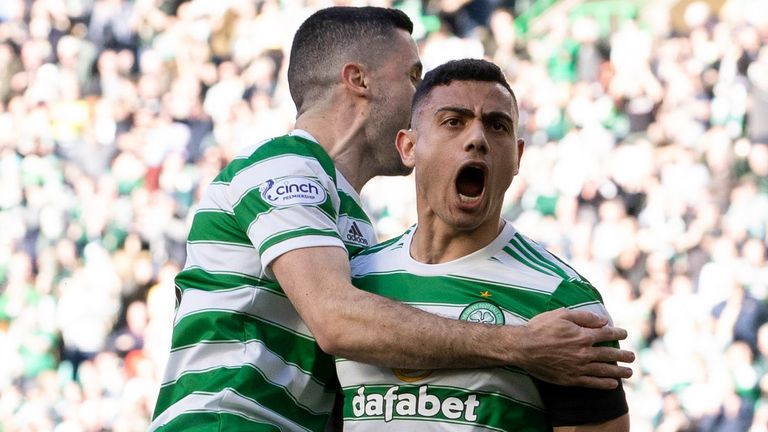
point(572, 406)
point(288, 200)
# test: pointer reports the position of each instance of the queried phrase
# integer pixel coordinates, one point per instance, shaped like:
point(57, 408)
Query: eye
point(452, 122)
point(499, 126)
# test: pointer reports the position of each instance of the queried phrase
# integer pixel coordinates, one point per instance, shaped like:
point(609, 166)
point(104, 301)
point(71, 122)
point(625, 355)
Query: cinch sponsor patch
point(293, 190)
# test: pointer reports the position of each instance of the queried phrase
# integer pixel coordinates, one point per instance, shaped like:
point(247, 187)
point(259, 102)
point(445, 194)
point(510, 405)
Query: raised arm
point(556, 347)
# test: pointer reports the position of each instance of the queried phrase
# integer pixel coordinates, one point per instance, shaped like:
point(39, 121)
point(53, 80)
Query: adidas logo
point(355, 235)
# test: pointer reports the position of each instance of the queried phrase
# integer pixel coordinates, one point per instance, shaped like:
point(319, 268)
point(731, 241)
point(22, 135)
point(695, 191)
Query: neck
point(435, 242)
point(341, 132)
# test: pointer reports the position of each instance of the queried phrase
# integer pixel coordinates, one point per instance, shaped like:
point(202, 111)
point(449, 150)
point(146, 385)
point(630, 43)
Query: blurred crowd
point(646, 167)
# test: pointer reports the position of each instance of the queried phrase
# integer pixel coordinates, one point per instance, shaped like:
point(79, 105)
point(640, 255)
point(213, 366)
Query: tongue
point(470, 182)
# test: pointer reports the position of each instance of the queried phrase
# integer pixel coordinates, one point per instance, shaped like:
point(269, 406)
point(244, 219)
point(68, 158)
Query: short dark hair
point(333, 36)
point(460, 70)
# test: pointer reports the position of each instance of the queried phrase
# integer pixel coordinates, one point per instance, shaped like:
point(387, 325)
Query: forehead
point(478, 96)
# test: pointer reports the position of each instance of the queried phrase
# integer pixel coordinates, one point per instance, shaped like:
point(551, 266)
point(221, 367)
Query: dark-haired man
point(265, 294)
point(463, 261)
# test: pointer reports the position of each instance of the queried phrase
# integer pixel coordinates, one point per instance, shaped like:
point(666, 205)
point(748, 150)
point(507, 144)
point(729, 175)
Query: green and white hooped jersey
point(508, 282)
point(241, 357)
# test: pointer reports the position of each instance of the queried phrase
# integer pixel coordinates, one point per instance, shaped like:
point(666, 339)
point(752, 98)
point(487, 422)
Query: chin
point(465, 225)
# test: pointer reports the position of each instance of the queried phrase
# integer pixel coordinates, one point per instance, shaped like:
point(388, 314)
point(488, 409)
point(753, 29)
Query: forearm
point(347, 322)
point(372, 329)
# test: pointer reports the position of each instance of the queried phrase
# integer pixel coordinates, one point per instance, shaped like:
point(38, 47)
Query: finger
point(608, 334)
point(585, 318)
point(606, 370)
point(609, 354)
point(596, 383)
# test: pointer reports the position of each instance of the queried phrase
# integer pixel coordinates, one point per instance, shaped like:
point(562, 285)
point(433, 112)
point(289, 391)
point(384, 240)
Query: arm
point(619, 424)
point(352, 323)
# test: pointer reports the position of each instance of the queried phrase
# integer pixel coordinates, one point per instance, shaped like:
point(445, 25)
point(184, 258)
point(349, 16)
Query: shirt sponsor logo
point(294, 190)
point(404, 404)
point(355, 235)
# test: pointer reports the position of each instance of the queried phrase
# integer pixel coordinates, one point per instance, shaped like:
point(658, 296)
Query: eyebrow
point(493, 115)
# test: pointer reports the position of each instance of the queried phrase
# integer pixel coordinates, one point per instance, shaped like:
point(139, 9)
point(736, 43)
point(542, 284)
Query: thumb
point(585, 318)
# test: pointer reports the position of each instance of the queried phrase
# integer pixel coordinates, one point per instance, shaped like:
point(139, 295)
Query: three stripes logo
point(355, 235)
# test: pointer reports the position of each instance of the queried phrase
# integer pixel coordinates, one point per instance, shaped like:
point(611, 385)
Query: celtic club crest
point(483, 312)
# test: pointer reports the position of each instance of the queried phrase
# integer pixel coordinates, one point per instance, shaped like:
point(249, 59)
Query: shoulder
point(375, 257)
point(538, 257)
point(279, 156)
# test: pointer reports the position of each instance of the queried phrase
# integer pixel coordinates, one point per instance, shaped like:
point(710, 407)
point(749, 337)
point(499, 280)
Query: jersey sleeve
point(286, 202)
point(572, 406)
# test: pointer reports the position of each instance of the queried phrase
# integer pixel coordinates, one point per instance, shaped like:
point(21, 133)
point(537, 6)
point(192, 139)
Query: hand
point(558, 348)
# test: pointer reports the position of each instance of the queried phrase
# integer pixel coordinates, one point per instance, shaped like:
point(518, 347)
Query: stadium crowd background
point(646, 167)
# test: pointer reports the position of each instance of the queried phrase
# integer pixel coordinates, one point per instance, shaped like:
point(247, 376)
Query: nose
point(476, 140)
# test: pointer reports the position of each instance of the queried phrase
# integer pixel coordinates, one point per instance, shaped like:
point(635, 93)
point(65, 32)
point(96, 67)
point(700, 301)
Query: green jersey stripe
point(544, 266)
point(217, 226)
point(216, 421)
point(539, 257)
point(353, 212)
point(280, 147)
point(251, 384)
point(292, 349)
point(289, 218)
point(304, 231)
point(211, 358)
point(523, 260)
point(199, 278)
point(570, 293)
point(383, 245)
point(229, 401)
point(268, 306)
point(411, 288)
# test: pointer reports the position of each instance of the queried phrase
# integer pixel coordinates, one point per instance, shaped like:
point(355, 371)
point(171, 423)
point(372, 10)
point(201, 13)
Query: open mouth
point(470, 183)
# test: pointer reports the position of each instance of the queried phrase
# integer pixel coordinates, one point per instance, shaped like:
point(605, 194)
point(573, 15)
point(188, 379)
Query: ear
point(520, 148)
point(355, 79)
point(405, 141)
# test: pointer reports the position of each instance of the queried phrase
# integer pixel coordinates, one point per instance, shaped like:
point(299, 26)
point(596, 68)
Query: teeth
point(466, 199)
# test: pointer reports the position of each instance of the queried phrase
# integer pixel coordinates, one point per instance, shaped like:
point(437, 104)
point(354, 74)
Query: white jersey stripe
point(215, 199)
point(523, 257)
point(595, 307)
point(423, 425)
point(224, 257)
point(256, 301)
point(210, 356)
point(225, 401)
point(284, 219)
